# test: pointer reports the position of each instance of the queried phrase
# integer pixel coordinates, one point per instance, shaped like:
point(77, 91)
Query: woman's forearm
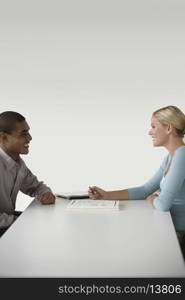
point(118, 195)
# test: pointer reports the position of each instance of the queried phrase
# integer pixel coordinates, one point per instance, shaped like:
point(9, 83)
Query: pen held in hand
point(91, 191)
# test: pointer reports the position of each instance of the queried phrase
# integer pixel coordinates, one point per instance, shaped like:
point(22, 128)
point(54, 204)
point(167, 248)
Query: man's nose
point(29, 137)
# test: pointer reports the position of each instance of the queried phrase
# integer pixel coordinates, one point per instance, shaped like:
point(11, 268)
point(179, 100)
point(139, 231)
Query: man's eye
point(24, 133)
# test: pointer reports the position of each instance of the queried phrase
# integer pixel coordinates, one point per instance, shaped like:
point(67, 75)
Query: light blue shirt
point(171, 186)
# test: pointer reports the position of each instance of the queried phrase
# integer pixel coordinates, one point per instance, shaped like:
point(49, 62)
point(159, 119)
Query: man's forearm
point(42, 188)
point(6, 220)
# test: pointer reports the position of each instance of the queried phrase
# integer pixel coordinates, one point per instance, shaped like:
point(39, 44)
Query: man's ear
point(3, 136)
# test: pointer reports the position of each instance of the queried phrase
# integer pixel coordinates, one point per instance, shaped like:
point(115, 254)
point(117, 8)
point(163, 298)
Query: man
point(14, 175)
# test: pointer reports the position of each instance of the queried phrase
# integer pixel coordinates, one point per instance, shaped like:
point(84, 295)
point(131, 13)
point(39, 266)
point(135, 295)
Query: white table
point(49, 241)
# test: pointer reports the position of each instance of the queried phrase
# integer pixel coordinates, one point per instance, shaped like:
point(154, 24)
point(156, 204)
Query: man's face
point(17, 142)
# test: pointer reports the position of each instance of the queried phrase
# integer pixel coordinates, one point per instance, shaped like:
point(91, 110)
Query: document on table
point(93, 204)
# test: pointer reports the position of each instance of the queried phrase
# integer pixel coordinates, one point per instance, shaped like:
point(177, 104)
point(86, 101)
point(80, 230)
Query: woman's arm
point(141, 192)
point(151, 186)
point(173, 182)
point(97, 193)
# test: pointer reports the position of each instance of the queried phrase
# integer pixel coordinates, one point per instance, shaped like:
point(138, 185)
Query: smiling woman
point(166, 189)
point(167, 120)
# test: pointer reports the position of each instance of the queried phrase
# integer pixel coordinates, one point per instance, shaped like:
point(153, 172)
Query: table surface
point(51, 241)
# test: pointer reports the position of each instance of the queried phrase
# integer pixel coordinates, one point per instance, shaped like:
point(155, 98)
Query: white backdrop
point(87, 76)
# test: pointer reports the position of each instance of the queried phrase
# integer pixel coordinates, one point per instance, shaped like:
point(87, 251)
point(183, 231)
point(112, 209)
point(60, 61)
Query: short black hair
point(8, 120)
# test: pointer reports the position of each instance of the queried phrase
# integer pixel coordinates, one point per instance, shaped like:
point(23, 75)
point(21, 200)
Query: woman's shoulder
point(180, 153)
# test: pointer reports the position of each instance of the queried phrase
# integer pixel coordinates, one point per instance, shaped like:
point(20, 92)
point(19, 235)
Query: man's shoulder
point(22, 163)
point(2, 162)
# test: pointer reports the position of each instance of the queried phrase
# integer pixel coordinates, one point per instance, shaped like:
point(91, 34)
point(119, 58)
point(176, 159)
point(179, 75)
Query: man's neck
point(14, 156)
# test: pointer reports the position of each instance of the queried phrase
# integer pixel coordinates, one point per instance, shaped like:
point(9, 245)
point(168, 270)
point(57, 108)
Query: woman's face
point(158, 132)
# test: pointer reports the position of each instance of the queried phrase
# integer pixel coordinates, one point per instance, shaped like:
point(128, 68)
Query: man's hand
point(47, 198)
point(150, 199)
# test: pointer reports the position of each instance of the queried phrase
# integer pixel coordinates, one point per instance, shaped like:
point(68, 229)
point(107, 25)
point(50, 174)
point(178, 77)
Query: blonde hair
point(172, 115)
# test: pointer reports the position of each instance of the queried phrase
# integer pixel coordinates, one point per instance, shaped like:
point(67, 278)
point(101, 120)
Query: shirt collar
point(10, 163)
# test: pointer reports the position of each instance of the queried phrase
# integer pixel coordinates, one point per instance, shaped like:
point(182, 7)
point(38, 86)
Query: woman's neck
point(173, 145)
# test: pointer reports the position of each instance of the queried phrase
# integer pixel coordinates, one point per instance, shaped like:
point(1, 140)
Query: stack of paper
point(93, 204)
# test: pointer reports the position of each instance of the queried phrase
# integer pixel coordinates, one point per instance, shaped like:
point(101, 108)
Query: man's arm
point(6, 220)
point(34, 188)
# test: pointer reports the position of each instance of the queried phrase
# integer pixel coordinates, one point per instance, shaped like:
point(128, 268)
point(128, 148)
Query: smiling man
point(14, 174)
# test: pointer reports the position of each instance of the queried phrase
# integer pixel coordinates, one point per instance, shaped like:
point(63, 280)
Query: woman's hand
point(150, 199)
point(96, 193)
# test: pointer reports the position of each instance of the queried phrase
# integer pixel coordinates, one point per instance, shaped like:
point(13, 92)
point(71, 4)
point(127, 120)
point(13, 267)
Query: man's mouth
point(26, 145)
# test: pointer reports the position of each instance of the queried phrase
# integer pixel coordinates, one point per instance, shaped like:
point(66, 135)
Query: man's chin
point(25, 151)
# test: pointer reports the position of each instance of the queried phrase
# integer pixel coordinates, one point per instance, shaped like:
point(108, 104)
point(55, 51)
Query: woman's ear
point(170, 128)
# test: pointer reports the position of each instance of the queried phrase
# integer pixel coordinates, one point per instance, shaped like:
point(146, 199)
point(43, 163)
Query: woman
point(166, 189)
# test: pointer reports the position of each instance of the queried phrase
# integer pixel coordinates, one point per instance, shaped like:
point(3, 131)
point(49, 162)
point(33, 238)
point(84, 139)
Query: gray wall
point(88, 75)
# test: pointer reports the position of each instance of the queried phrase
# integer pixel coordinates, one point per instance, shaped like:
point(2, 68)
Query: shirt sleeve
point(151, 186)
point(6, 220)
point(31, 186)
point(173, 182)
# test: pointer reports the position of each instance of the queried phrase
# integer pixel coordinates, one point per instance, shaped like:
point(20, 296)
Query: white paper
point(93, 204)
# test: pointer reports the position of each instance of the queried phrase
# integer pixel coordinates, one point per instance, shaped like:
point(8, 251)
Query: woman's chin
point(155, 144)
